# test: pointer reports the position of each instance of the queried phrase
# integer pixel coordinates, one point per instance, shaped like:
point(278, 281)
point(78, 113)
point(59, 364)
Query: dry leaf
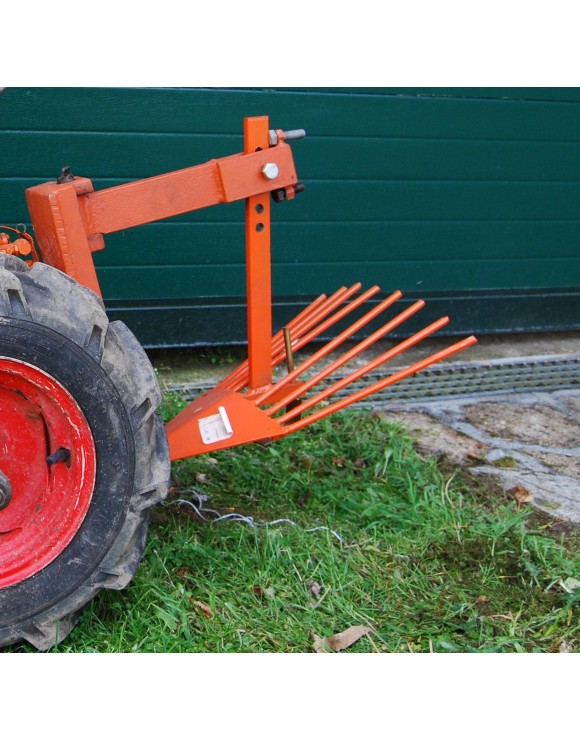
point(570, 585)
point(314, 588)
point(360, 462)
point(481, 600)
point(521, 495)
point(339, 461)
point(204, 609)
point(340, 641)
point(201, 477)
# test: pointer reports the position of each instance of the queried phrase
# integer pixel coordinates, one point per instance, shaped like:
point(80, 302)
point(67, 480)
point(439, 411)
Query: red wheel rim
point(38, 416)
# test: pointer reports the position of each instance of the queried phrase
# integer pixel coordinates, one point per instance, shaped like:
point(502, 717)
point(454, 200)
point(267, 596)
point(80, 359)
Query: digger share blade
point(233, 413)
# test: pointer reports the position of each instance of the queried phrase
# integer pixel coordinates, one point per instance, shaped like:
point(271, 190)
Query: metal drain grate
point(523, 374)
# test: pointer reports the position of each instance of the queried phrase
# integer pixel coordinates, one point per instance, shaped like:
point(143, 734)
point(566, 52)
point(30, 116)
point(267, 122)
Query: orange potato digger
point(84, 454)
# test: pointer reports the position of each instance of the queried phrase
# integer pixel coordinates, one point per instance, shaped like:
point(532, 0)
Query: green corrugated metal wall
point(468, 197)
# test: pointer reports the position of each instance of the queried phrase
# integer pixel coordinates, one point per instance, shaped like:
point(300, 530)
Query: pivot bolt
point(270, 170)
point(5, 491)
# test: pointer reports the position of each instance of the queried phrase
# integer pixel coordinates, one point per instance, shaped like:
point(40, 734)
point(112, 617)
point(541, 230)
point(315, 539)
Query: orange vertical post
point(258, 276)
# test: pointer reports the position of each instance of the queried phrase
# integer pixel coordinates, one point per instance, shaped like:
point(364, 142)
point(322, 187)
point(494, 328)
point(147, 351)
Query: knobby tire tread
point(45, 301)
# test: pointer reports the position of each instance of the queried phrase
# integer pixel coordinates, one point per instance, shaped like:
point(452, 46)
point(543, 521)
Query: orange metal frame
point(70, 220)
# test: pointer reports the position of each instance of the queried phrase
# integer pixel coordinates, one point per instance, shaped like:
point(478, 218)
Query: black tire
point(49, 321)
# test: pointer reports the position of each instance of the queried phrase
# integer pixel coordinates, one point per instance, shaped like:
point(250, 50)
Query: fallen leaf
point(340, 641)
point(360, 462)
point(339, 461)
point(204, 609)
point(521, 495)
point(201, 477)
point(564, 648)
point(481, 600)
point(314, 588)
point(570, 585)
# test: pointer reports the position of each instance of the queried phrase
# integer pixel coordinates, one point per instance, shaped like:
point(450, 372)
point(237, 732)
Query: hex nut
point(270, 170)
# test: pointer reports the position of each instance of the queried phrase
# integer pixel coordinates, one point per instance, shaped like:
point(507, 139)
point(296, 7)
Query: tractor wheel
point(83, 453)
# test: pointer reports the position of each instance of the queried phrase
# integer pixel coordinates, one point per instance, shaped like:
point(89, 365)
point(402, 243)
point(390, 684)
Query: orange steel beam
point(258, 263)
point(223, 180)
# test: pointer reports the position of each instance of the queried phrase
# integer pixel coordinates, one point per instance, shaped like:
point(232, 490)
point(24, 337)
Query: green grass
point(429, 558)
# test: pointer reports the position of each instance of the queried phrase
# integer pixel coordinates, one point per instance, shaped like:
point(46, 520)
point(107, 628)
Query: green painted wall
point(469, 197)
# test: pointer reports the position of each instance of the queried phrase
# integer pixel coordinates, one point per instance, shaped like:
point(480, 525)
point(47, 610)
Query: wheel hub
point(47, 469)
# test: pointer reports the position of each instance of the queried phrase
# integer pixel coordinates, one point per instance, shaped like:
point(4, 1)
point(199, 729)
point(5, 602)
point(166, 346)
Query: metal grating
point(522, 374)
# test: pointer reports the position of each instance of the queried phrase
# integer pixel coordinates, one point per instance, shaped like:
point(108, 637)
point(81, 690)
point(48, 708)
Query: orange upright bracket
point(258, 262)
point(61, 231)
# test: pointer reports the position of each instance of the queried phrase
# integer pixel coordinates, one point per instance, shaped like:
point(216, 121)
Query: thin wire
point(234, 516)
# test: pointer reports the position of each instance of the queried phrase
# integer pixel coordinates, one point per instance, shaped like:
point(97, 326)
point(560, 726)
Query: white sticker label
point(215, 428)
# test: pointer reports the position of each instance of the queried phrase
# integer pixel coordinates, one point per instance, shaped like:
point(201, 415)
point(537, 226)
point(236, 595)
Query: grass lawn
point(267, 549)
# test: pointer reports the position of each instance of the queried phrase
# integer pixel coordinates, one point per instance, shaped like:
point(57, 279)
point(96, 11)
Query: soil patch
point(535, 424)
point(436, 439)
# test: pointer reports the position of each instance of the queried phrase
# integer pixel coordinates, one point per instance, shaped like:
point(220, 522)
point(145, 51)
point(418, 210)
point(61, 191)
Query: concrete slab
point(526, 440)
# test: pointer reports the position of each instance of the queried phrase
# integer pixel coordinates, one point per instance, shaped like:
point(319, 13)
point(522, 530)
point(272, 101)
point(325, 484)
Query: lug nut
point(5, 491)
point(270, 170)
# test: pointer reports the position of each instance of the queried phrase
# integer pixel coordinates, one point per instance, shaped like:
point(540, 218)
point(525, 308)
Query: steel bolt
point(5, 491)
point(270, 170)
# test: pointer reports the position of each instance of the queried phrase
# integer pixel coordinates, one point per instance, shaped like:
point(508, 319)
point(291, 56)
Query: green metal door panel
point(412, 277)
point(469, 196)
point(121, 156)
point(181, 112)
point(211, 244)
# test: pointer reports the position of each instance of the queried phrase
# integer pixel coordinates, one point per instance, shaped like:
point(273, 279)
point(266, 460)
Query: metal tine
point(305, 339)
point(307, 318)
point(348, 356)
point(307, 323)
point(304, 322)
point(301, 323)
point(369, 367)
point(380, 385)
point(338, 340)
point(241, 372)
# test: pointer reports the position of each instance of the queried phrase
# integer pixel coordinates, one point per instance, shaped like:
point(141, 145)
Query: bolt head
point(270, 170)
